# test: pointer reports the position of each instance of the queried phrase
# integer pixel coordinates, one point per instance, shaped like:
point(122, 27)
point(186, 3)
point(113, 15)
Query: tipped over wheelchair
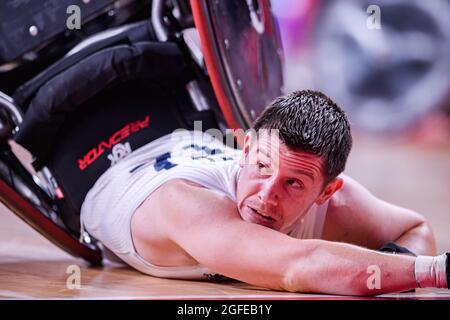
point(81, 100)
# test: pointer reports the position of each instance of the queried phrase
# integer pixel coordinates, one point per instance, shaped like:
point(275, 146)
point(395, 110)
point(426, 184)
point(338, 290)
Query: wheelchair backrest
point(89, 111)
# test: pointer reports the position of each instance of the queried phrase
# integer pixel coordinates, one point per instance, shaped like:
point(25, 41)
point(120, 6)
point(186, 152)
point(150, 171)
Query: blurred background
point(387, 63)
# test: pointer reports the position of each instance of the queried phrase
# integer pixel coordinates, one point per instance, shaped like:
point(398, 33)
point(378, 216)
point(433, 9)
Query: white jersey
point(195, 156)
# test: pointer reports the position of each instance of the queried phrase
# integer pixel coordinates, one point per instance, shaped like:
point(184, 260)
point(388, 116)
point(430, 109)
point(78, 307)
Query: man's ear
point(333, 186)
point(247, 143)
point(246, 148)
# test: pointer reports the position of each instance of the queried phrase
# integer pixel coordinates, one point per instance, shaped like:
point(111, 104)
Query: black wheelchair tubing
point(447, 269)
point(36, 217)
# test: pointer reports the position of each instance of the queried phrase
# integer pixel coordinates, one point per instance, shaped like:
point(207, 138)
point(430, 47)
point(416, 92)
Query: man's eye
point(261, 165)
point(295, 183)
point(263, 169)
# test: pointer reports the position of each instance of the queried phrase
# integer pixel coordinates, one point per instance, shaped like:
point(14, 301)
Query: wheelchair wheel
point(21, 193)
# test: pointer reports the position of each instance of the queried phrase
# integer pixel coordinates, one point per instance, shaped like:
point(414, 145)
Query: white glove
point(433, 272)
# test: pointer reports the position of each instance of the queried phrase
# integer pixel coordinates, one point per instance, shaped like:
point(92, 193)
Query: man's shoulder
point(349, 196)
point(179, 203)
point(180, 183)
point(190, 192)
point(347, 208)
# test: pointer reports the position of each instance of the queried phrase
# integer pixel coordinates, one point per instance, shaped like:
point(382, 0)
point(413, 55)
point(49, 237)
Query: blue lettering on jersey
point(162, 162)
point(206, 152)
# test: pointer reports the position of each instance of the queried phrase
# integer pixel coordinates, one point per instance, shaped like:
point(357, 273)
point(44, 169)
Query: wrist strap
point(432, 272)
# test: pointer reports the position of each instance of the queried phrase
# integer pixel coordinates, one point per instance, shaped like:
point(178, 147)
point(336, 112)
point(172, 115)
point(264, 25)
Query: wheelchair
point(218, 62)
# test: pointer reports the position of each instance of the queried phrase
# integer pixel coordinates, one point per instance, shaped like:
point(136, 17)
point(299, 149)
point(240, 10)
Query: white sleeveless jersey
point(109, 205)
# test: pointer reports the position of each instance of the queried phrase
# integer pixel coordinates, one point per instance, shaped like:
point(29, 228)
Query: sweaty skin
point(184, 224)
point(279, 183)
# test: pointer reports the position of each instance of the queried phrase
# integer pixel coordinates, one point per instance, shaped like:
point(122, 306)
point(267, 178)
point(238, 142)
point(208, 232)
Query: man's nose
point(268, 194)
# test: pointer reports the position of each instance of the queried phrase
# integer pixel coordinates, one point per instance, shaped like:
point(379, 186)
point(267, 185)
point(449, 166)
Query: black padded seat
point(88, 110)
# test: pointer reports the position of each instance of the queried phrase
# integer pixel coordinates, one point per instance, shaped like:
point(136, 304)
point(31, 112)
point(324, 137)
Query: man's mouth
point(262, 214)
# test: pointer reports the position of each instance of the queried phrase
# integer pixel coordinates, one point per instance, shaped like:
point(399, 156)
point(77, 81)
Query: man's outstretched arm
point(356, 216)
point(207, 225)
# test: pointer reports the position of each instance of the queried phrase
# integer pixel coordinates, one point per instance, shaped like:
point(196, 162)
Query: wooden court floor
point(407, 174)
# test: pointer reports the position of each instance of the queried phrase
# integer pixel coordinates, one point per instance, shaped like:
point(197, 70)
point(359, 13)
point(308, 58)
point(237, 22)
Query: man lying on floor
point(278, 214)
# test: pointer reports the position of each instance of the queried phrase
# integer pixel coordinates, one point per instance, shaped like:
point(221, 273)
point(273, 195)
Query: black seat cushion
point(90, 113)
point(106, 129)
